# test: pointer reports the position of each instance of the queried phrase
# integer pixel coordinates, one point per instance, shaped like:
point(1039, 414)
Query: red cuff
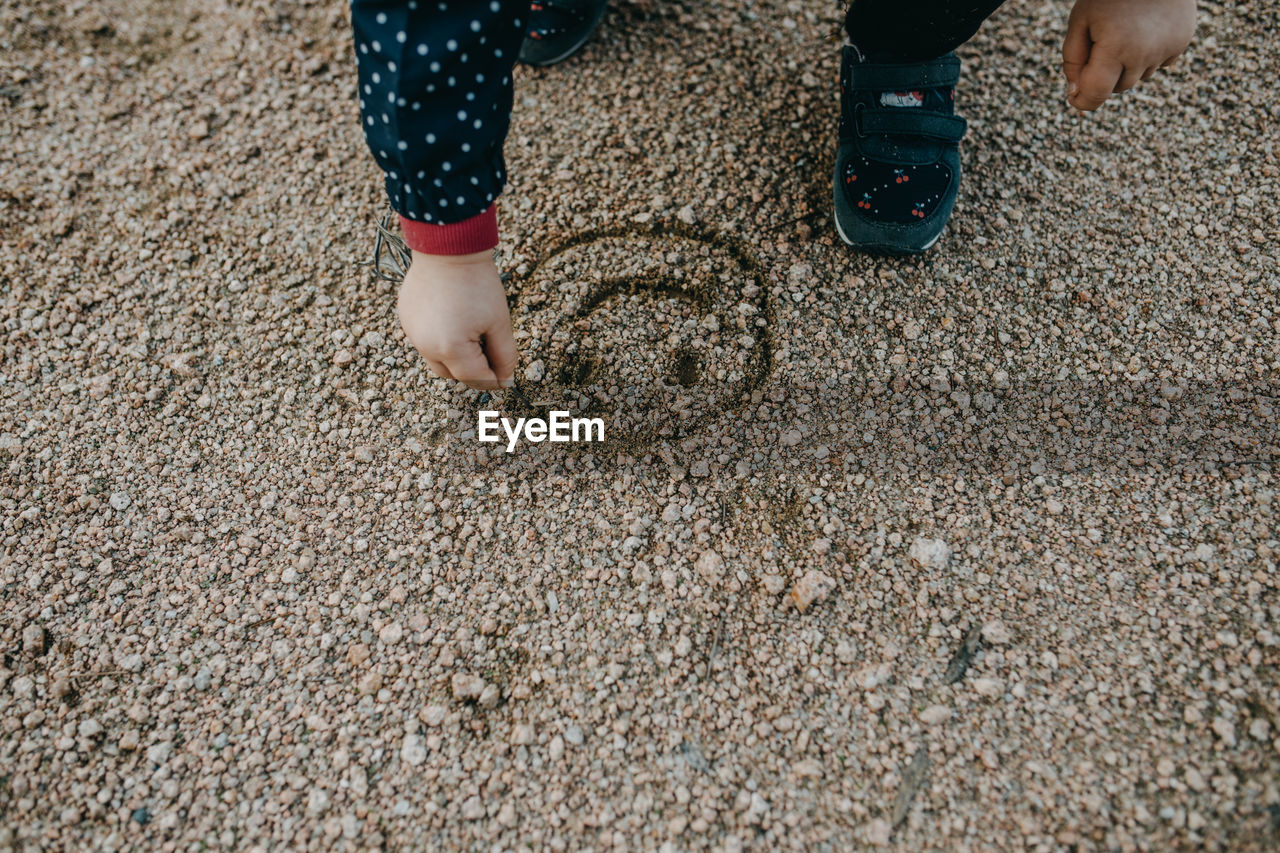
point(467, 237)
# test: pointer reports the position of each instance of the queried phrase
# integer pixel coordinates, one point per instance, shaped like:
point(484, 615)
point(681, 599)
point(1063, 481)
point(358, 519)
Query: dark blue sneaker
point(558, 28)
point(898, 165)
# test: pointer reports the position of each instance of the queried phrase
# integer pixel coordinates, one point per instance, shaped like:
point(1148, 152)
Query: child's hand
point(454, 312)
point(1112, 44)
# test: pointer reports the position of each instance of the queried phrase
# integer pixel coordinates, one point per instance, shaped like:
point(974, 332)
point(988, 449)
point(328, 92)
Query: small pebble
point(472, 808)
point(391, 633)
point(988, 686)
point(33, 639)
point(935, 714)
point(412, 751)
point(996, 633)
point(467, 687)
point(810, 589)
point(878, 832)
point(710, 565)
point(930, 553)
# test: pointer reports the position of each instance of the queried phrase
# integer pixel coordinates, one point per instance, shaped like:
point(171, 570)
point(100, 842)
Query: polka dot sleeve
point(435, 100)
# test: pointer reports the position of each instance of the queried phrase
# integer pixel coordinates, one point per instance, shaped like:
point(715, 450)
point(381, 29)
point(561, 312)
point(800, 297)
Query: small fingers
point(438, 368)
point(500, 347)
point(1130, 78)
point(467, 363)
point(1098, 79)
point(1075, 52)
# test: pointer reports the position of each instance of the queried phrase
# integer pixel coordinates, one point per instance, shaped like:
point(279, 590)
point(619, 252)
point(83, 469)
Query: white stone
point(710, 565)
point(159, 753)
point(988, 686)
point(467, 686)
point(33, 639)
point(413, 752)
point(935, 714)
point(317, 800)
point(773, 583)
point(996, 633)
point(879, 832)
point(930, 553)
point(1225, 729)
point(472, 808)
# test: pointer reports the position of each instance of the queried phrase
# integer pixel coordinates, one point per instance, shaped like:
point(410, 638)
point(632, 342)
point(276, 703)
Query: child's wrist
point(484, 257)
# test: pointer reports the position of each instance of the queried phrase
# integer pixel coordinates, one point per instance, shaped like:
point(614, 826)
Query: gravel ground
point(974, 551)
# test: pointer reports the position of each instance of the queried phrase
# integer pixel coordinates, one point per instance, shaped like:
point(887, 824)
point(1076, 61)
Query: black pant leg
point(914, 30)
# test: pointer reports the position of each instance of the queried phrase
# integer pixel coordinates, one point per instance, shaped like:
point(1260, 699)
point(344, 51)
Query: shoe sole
point(884, 250)
point(591, 30)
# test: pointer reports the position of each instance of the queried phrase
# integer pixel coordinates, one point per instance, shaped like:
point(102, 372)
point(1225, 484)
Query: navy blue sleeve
point(435, 99)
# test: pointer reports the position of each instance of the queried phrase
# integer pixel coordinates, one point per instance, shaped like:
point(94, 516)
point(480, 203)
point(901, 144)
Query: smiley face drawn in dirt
point(658, 329)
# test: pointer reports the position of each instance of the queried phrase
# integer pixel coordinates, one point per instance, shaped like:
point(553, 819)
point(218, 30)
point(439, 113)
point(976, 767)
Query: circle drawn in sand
point(656, 329)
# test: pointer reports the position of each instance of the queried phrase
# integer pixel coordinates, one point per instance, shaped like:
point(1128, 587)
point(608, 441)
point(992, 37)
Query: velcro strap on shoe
point(900, 77)
point(910, 122)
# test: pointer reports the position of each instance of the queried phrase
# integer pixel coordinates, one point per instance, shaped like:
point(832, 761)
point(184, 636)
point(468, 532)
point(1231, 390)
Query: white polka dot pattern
point(435, 100)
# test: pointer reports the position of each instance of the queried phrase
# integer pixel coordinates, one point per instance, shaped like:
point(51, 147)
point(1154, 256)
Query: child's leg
point(898, 165)
point(913, 31)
